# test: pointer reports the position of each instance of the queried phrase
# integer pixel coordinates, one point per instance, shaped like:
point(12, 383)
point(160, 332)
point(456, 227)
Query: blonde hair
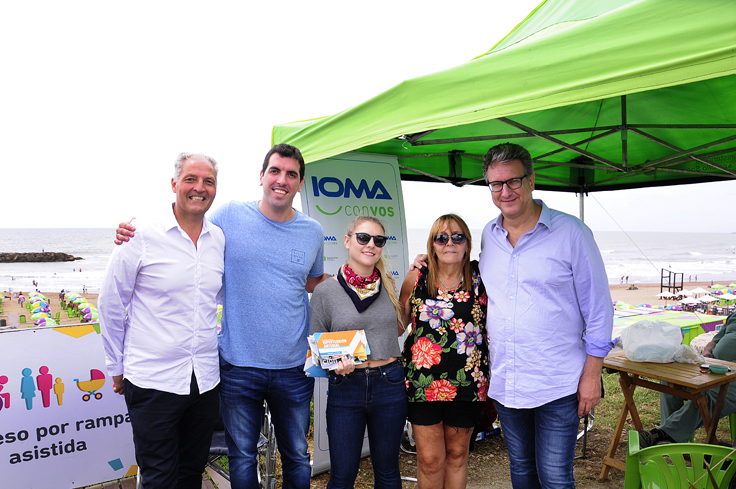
point(433, 276)
point(388, 280)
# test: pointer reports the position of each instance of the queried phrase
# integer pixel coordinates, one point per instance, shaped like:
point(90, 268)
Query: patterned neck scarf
point(361, 290)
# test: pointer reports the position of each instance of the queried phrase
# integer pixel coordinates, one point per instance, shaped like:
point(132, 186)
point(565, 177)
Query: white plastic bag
point(651, 341)
point(688, 354)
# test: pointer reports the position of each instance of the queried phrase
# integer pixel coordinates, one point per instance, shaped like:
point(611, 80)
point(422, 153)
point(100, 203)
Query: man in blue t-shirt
point(273, 257)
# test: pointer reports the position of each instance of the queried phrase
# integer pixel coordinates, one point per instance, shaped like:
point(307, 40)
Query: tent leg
point(582, 206)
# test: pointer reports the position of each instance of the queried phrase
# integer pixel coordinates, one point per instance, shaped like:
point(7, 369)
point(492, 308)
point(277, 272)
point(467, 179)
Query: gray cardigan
point(332, 310)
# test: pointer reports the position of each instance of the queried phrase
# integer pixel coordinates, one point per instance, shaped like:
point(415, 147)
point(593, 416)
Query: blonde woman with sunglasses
point(372, 394)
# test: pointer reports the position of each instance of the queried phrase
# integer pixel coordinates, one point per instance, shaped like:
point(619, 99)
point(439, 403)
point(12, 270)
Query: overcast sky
point(98, 98)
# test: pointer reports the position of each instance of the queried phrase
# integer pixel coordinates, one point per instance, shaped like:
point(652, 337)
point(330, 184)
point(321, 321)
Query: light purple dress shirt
point(549, 306)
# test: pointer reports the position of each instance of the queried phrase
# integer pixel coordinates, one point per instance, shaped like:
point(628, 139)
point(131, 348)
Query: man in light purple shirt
point(550, 318)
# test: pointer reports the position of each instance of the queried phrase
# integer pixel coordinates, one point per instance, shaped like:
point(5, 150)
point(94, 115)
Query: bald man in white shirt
point(158, 312)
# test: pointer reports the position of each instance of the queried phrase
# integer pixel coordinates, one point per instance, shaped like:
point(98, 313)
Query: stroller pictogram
point(97, 380)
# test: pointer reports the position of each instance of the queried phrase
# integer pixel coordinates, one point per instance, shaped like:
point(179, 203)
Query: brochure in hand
point(326, 350)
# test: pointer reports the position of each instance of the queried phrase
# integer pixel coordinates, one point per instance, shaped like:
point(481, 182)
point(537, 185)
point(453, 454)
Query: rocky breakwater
point(36, 257)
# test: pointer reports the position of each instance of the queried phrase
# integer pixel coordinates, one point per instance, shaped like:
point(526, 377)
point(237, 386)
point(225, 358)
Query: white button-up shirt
point(549, 306)
point(158, 307)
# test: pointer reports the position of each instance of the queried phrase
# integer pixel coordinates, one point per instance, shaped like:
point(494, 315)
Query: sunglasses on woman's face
point(365, 238)
point(442, 239)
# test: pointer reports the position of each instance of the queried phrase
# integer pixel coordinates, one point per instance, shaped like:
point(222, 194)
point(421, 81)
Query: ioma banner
point(61, 425)
point(339, 189)
point(336, 191)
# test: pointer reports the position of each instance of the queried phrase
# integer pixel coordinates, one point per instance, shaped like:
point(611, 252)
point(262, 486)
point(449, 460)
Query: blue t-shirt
point(265, 317)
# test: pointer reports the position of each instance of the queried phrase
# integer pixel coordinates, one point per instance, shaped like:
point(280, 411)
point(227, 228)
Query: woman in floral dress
point(445, 355)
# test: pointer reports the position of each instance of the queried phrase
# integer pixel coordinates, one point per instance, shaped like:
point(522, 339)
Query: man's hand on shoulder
point(419, 262)
point(124, 232)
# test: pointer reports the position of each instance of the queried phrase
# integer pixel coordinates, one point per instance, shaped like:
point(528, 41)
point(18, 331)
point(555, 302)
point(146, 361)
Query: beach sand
point(12, 311)
point(647, 293)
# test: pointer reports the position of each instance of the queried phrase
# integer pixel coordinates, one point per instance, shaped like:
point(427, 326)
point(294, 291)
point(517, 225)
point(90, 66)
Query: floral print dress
point(446, 355)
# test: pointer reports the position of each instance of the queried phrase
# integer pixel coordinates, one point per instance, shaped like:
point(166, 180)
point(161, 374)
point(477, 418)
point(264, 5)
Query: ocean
point(640, 256)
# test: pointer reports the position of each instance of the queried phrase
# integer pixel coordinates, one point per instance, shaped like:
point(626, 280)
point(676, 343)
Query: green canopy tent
point(605, 94)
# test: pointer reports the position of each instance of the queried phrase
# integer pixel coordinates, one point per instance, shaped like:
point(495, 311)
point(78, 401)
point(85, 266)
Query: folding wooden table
point(685, 381)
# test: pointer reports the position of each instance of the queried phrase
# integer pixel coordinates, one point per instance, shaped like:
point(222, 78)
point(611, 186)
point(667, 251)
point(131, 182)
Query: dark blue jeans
point(288, 393)
point(373, 397)
point(541, 443)
point(172, 434)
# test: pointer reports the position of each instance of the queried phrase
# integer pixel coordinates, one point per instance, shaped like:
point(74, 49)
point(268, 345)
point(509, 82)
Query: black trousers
point(172, 434)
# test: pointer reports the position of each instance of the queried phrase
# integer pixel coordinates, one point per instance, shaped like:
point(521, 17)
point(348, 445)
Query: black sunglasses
point(456, 238)
point(365, 238)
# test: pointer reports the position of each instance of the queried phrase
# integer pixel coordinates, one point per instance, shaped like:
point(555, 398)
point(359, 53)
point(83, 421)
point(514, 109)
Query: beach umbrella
point(40, 315)
point(676, 308)
point(666, 295)
point(708, 298)
point(643, 305)
point(685, 292)
point(90, 316)
point(41, 309)
point(699, 291)
point(46, 322)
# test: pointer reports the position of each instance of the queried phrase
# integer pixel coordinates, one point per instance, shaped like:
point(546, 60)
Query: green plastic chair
point(22, 318)
point(58, 315)
point(665, 466)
